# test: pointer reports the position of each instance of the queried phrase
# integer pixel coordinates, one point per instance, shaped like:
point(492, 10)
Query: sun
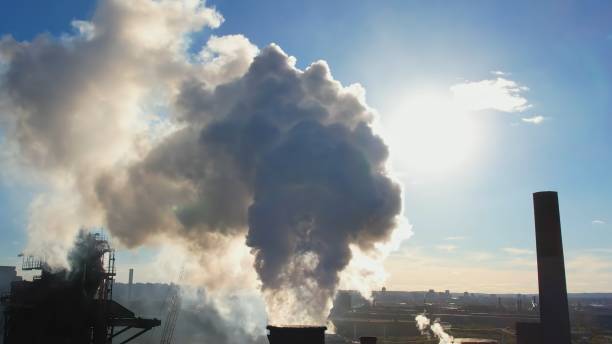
point(429, 134)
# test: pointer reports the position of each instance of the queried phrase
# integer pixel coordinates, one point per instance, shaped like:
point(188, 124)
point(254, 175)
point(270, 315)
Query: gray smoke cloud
point(249, 147)
point(286, 152)
point(201, 318)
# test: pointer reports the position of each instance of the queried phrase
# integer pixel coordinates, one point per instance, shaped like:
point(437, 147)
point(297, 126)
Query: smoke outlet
point(296, 334)
point(130, 283)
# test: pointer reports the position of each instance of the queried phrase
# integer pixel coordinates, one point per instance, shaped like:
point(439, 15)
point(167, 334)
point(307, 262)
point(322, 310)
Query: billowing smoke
point(286, 153)
point(125, 126)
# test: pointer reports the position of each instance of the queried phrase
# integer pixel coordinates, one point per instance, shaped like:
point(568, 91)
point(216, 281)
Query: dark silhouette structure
point(8, 274)
point(554, 312)
point(73, 306)
point(528, 333)
point(367, 340)
point(130, 283)
point(554, 326)
point(296, 334)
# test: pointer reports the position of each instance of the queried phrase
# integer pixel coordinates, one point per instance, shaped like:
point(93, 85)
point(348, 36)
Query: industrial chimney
point(130, 283)
point(296, 334)
point(367, 340)
point(554, 313)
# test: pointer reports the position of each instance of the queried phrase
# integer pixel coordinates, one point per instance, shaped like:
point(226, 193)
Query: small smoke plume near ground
point(423, 323)
point(123, 125)
point(444, 337)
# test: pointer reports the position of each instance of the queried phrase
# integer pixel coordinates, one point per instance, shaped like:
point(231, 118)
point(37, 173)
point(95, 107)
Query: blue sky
point(475, 215)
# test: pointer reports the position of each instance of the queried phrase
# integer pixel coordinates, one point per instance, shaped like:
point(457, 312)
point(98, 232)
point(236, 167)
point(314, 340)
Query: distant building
point(343, 302)
point(8, 274)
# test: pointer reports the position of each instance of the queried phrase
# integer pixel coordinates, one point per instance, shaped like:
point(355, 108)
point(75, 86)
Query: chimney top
point(367, 340)
point(296, 334)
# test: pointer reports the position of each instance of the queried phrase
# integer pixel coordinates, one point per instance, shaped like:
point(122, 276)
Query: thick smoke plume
point(287, 154)
point(125, 126)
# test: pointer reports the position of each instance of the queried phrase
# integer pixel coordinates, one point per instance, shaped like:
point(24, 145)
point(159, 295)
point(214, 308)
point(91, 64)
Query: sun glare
point(429, 134)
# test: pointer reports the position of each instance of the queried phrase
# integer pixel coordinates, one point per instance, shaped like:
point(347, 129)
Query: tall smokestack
point(554, 313)
point(131, 281)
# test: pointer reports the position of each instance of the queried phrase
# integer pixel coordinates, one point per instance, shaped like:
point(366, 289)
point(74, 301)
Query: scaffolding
point(174, 305)
point(29, 263)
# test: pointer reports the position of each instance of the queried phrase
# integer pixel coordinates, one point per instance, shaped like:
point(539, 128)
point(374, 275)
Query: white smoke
point(423, 324)
point(89, 101)
point(120, 124)
point(439, 332)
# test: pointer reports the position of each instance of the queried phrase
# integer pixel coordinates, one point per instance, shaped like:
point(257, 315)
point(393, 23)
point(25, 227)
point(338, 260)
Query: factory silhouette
point(77, 305)
point(73, 306)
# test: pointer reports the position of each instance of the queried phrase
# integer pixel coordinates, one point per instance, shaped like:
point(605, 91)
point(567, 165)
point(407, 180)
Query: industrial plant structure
point(71, 306)
point(76, 305)
point(392, 314)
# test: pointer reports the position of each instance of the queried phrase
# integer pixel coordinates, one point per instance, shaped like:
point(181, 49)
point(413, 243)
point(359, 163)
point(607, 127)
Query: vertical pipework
point(554, 313)
point(131, 281)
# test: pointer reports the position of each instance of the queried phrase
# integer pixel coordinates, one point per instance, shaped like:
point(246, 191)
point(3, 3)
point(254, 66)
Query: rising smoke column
point(252, 149)
point(288, 154)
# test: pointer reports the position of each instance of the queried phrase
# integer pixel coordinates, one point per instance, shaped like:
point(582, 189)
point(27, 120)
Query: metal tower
point(174, 305)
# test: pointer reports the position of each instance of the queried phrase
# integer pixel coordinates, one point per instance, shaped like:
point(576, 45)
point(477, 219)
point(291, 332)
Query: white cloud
point(447, 248)
point(498, 72)
point(598, 222)
point(480, 256)
point(534, 119)
point(498, 94)
point(600, 250)
point(417, 268)
point(590, 263)
point(517, 251)
point(522, 262)
point(454, 238)
point(589, 273)
point(420, 269)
